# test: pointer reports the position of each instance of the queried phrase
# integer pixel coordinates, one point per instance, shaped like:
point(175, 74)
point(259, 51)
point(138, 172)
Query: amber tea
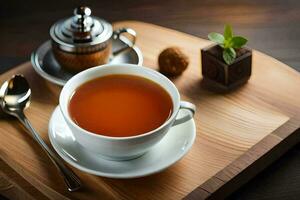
point(120, 105)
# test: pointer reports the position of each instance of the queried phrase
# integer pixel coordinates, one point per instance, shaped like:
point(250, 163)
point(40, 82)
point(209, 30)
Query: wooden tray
point(238, 134)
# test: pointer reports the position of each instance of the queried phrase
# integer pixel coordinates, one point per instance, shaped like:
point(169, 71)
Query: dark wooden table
point(272, 26)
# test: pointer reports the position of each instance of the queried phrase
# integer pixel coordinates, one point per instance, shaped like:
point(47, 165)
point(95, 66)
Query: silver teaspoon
point(14, 98)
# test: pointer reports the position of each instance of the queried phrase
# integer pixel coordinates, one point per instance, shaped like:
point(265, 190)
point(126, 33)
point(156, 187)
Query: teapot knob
point(82, 11)
point(82, 20)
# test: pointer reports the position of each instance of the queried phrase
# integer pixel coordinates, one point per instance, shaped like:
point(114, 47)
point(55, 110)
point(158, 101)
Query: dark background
point(272, 26)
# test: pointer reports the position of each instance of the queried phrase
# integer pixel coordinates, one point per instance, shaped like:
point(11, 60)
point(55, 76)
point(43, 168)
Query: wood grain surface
point(227, 126)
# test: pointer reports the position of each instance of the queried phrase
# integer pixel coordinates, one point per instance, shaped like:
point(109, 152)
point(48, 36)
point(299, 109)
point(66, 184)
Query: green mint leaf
point(216, 37)
point(238, 41)
point(229, 55)
point(227, 43)
point(228, 32)
point(232, 52)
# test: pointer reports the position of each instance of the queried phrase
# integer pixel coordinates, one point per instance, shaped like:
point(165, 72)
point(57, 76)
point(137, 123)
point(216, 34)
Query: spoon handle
point(72, 181)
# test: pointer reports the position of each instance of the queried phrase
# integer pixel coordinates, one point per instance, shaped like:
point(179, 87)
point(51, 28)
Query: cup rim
point(66, 115)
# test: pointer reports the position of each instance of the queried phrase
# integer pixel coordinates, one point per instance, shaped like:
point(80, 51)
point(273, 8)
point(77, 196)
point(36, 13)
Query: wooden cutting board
point(238, 134)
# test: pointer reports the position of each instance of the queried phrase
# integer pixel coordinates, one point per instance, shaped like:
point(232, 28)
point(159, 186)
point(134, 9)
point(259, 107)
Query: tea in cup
point(121, 111)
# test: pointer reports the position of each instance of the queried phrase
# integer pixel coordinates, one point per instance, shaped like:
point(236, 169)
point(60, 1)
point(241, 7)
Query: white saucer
point(168, 151)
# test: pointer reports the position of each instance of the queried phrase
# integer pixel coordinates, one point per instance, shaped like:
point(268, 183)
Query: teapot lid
point(81, 32)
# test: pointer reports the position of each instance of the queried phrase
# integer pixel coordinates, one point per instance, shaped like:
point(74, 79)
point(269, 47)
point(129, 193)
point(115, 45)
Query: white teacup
point(122, 148)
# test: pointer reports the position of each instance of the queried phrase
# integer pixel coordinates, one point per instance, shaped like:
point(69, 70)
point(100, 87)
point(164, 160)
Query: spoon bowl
point(15, 94)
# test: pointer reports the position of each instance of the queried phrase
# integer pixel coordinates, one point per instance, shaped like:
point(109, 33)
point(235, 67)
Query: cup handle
point(128, 43)
point(191, 108)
